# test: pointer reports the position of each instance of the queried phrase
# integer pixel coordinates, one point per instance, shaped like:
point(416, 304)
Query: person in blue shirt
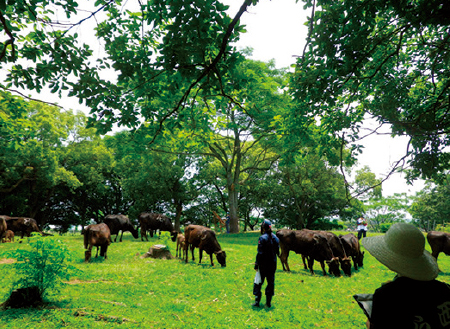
point(266, 263)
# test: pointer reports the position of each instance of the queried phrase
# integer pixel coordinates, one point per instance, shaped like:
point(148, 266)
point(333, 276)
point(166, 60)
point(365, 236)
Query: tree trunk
point(179, 209)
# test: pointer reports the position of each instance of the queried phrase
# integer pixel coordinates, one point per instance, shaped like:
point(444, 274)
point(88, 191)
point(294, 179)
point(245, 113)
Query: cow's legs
point(88, 254)
point(435, 254)
point(192, 252)
point(284, 257)
point(186, 250)
point(322, 264)
point(143, 233)
point(355, 263)
point(96, 255)
point(304, 262)
point(211, 257)
point(121, 235)
point(311, 264)
point(200, 255)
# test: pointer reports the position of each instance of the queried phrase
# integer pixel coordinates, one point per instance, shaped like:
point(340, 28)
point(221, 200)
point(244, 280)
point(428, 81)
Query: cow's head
point(87, 255)
point(174, 235)
point(333, 266)
point(346, 266)
point(134, 232)
point(221, 258)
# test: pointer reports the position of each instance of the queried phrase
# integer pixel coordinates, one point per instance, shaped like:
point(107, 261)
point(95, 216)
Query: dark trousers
point(361, 234)
point(270, 288)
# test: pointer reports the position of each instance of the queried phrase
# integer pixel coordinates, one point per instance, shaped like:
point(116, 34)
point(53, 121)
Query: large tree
point(30, 155)
point(382, 59)
point(236, 124)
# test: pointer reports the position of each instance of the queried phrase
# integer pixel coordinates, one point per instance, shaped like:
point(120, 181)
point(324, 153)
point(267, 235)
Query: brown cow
point(152, 222)
point(117, 223)
point(338, 250)
point(353, 249)
point(96, 235)
point(8, 235)
point(439, 242)
point(203, 238)
point(180, 245)
point(3, 226)
point(24, 225)
point(310, 245)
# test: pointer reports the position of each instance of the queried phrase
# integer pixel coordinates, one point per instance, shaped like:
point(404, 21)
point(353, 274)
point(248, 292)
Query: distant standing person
point(227, 222)
point(266, 263)
point(362, 227)
point(414, 299)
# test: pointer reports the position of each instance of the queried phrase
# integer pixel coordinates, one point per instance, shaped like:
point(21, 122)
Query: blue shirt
point(268, 249)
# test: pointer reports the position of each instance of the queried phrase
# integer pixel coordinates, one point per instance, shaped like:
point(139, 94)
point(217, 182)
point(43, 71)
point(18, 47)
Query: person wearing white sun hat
point(414, 299)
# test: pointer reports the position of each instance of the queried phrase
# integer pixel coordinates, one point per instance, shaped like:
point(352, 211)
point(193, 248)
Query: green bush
point(44, 263)
point(384, 227)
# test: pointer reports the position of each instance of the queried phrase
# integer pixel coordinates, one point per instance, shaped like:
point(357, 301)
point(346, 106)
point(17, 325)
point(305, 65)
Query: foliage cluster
point(43, 262)
point(386, 60)
point(126, 291)
point(61, 173)
point(239, 136)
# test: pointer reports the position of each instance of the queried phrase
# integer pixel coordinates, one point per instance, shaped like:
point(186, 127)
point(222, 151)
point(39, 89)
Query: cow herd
point(337, 252)
point(323, 247)
point(195, 236)
point(11, 226)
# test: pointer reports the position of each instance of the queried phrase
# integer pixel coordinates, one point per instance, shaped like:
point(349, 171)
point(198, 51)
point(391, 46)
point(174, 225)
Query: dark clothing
point(362, 234)
point(266, 263)
point(407, 303)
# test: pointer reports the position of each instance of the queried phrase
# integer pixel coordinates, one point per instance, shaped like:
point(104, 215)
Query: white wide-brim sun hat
point(402, 250)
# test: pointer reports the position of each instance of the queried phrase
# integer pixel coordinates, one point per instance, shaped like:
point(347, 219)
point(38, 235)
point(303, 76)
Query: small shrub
point(41, 266)
point(166, 240)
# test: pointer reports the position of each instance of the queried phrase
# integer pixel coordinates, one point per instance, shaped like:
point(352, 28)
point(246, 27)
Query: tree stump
point(158, 251)
point(24, 297)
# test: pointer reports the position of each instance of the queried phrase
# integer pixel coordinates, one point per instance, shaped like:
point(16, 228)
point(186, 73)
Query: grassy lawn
point(127, 291)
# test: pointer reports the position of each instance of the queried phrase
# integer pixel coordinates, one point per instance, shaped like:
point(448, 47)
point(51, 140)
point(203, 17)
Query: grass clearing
point(127, 291)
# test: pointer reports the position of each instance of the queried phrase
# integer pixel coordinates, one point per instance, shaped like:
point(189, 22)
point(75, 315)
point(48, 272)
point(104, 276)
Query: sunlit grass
point(129, 291)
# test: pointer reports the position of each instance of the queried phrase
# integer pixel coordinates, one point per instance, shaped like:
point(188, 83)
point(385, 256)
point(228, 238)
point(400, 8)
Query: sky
point(276, 30)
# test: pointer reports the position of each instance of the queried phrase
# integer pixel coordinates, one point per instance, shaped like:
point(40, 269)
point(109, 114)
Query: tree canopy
point(169, 71)
point(382, 59)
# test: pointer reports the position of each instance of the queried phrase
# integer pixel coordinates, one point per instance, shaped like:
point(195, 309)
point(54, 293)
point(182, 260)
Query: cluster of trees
point(206, 125)
point(57, 170)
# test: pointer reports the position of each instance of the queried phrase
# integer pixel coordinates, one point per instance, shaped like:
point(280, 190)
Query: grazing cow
point(117, 223)
point(353, 249)
point(8, 235)
point(152, 222)
point(203, 238)
point(310, 245)
point(180, 245)
point(338, 250)
point(439, 242)
point(24, 225)
point(3, 226)
point(96, 235)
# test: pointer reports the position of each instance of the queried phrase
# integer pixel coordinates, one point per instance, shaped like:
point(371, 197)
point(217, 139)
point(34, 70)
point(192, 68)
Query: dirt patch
point(76, 281)
point(7, 261)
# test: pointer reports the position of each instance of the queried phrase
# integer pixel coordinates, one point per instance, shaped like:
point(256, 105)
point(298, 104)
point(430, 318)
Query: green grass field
point(127, 291)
